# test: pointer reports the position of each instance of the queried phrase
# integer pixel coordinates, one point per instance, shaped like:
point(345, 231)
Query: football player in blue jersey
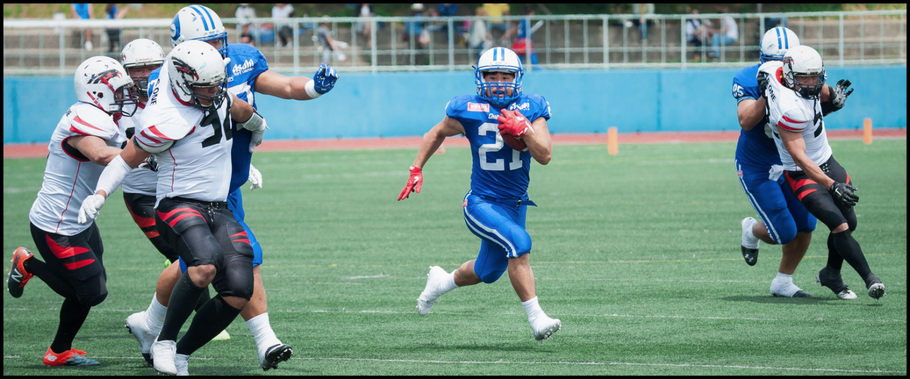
point(785, 221)
point(495, 208)
point(248, 72)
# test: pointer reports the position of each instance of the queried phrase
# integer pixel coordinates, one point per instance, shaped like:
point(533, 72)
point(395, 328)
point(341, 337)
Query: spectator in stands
point(283, 29)
point(365, 12)
point(84, 12)
point(728, 34)
point(496, 11)
point(324, 36)
point(696, 33)
point(479, 39)
point(417, 36)
point(245, 15)
point(449, 10)
point(523, 41)
point(773, 22)
point(644, 13)
point(113, 34)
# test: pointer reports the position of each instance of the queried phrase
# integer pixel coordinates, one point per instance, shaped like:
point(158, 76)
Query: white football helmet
point(196, 65)
point(776, 42)
point(498, 59)
point(140, 53)
point(103, 82)
point(198, 22)
point(804, 71)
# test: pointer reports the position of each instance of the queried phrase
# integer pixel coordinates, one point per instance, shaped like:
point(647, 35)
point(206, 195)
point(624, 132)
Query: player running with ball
point(495, 208)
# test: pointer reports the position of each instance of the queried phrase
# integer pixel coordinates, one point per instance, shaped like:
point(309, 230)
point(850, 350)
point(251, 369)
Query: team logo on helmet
point(104, 76)
point(185, 69)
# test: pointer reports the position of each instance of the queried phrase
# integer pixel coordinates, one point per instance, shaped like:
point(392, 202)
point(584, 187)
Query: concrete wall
point(582, 101)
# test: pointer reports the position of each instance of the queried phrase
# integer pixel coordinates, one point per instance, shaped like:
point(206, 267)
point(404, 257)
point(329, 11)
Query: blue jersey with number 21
point(499, 171)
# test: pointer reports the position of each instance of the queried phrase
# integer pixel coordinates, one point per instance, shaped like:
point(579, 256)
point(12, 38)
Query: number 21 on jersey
point(498, 164)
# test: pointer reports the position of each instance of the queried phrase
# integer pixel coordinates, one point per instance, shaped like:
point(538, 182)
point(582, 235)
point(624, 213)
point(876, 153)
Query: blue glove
point(324, 79)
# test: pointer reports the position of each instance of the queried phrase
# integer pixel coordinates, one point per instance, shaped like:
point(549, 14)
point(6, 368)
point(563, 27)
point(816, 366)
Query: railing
point(561, 42)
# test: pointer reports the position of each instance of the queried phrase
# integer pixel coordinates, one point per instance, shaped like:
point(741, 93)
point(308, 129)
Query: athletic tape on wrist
point(311, 89)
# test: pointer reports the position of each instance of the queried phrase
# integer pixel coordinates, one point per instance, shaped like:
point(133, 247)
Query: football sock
point(449, 283)
point(40, 269)
point(72, 316)
point(783, 285)
point(849, 249)
point(203, 298)
point(262, 333)
point(183, 300)
point(210, 319)
point(154, 315)
point(533, 309)
point(835, 260)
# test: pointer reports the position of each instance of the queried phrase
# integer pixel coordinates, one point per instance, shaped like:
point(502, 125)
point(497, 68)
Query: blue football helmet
point(498, 59)
point(198, 22)
point(775, 42)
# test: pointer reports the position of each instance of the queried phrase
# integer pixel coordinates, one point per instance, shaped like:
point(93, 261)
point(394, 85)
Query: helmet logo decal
point(104, 76)
point(185, 69)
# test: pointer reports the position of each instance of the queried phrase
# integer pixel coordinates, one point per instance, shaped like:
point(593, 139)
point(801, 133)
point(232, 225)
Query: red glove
point(513, 123)
point(414, 183)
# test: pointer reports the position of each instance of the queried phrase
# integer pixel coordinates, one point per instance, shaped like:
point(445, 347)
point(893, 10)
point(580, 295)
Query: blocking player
point(140, 57)
point(186, 124)
point(793, 89)
point(85, 140)
point(495, 208)
point(247, 72)
point(784, 220)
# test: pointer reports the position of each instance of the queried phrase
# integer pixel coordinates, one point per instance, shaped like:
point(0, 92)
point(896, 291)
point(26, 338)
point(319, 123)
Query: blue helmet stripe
point(204, 23)
point(786, 39)
point(207, 13)
point(777, 30)
point(494, 54)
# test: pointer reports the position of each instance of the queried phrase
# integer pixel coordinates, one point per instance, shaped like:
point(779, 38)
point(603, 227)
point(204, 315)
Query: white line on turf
point(381, 311)
point(501, 362)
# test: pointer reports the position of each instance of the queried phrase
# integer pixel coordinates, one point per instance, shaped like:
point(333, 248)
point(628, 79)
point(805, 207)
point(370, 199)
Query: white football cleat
point(137, 325)
point(164, 355)
point(846, 294)
point(431, 292)
point(181, 361)
point(544, 327)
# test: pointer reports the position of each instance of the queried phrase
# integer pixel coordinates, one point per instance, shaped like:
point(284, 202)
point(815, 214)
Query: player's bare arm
point(431, 141)
point(94, 148)
point(285, 87)
point(241, 111)
point(750, 112)
point(297, 87)
point(539, 143)
point(796, 146)
point(435, 137)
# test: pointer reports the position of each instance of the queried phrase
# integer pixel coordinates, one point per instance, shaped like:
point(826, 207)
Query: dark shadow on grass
point(535, 347)
point(779, 300)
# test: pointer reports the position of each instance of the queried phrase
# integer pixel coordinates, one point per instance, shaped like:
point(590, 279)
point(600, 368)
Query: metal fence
point(560, 42)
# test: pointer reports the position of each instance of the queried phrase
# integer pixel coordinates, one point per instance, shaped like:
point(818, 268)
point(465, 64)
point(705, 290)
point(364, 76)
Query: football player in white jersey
point(187, 123)
point(248, 74)
point(140, 57)
point(86, 139)
point(793, 91)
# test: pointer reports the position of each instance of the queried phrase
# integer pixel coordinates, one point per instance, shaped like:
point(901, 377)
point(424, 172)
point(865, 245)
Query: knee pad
point(90, 295)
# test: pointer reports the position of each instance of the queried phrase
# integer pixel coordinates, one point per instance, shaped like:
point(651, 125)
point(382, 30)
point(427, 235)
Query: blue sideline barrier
point(410, 103)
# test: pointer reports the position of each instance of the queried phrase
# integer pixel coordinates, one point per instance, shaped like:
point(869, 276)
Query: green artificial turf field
point(638, 254)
